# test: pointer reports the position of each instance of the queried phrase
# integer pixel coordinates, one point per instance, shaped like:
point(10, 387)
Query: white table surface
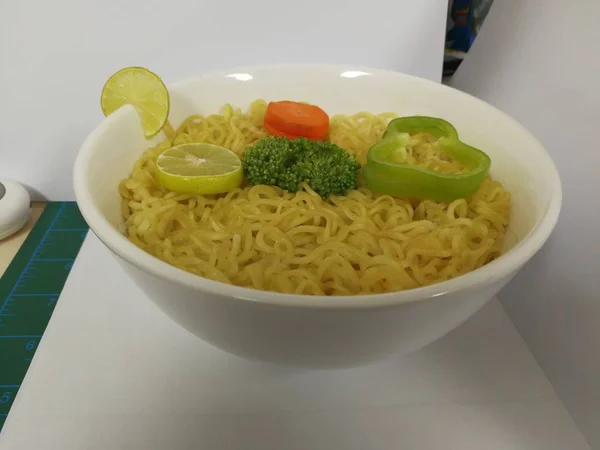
point(113, 372)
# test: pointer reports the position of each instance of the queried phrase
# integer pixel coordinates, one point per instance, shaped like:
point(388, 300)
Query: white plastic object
point(14, 207)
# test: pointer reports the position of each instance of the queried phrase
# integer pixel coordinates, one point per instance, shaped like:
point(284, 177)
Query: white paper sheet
point(114, 372)
point(539, 61)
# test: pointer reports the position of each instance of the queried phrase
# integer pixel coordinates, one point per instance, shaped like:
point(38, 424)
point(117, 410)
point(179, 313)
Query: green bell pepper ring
point(387, 173)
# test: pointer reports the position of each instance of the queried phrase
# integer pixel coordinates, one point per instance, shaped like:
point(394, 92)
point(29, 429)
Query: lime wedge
point(199, 169)
point(142, 89)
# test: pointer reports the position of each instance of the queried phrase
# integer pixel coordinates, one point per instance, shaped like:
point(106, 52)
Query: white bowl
point(319, 331)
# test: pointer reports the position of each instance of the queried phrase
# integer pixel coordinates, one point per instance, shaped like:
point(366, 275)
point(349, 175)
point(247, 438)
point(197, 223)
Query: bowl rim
point(487, 275)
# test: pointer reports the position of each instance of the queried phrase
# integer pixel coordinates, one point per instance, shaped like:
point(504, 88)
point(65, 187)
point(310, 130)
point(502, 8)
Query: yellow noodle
point(265, 238)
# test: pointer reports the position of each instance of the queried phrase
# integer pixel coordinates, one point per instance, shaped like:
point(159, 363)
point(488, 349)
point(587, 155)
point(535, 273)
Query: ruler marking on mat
point(35, 252)
point(29, 291)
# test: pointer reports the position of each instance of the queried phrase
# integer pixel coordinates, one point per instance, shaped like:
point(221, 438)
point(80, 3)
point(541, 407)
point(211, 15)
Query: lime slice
point(142, 89)
point(199, 169)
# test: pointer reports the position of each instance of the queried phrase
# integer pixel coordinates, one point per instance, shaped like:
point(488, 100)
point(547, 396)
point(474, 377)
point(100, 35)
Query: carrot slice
point(279, 133)
point(297, 119)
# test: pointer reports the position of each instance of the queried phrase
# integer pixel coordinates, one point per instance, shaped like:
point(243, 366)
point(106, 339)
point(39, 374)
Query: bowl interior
point(518, 160)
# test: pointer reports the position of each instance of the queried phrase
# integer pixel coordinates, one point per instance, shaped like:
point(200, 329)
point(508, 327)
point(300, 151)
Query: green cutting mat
point(29, 290)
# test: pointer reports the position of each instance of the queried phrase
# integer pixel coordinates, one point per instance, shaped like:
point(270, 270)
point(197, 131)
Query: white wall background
point(539, 61)
point(55, 56)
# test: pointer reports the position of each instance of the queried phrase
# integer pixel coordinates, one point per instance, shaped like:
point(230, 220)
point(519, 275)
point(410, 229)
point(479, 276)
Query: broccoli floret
point(278, 161)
